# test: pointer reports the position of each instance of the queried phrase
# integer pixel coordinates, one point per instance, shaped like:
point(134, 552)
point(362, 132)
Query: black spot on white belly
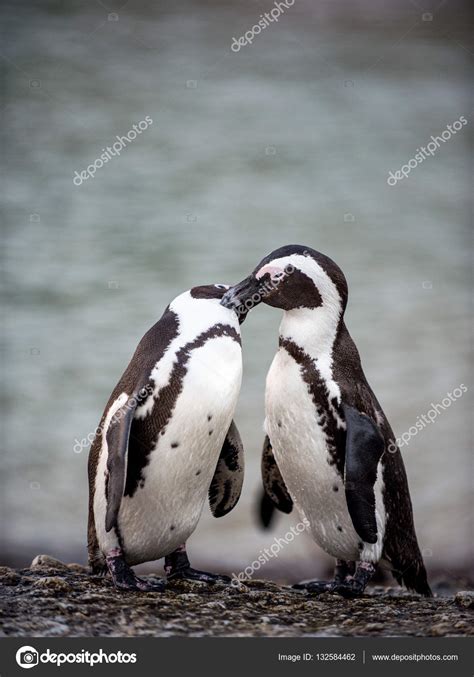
point(339, 528)
point(209, 417)
point(174, 445)
point(210, 432)
point(172, 527)
point(198, 472)
point(335, 488)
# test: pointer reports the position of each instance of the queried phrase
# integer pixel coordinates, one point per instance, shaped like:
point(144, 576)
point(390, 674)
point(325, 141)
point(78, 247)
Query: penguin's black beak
point(244, 295)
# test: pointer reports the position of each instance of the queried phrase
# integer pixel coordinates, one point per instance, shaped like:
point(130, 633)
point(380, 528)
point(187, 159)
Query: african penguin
point(329, 448)
point(166, 440)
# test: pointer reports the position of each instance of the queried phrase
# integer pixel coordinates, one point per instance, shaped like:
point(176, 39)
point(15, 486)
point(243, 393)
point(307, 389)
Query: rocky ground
point(52, 599)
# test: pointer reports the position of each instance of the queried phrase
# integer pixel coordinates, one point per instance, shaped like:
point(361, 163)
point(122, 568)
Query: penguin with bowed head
point(329, 449)
point(166, 441)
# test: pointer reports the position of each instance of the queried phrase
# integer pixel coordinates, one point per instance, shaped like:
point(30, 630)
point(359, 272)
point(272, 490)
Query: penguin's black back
point(149, 351)
point(400, 544)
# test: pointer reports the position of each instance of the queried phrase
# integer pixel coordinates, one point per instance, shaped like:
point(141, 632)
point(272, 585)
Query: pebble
point(48, 562)
point(386, 610)
point(465, 599)
point(215, 605)
point(370, 627)
point(9, 576)
point(441, 629)
point(52, 583)
point(77, 568)
point(461, 625)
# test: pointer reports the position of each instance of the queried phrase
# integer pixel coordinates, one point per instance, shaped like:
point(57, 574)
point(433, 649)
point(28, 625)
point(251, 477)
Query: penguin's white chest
point(165, 508)
point(300, 446)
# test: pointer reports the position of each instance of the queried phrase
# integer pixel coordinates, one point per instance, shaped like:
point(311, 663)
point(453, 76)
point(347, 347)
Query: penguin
point(166, 440)
point(329, 448)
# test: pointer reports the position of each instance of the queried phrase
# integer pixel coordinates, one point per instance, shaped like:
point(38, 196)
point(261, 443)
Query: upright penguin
point(166, 440)
point(329, 447)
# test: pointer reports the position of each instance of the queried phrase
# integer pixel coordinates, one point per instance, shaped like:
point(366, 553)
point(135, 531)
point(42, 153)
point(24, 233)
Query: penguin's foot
point(124, 578)
point(98, 568)
point(190, 574)
point(317, 587)
point(349, 589)
point(354, 586)
point(342, 573)
point(178, 567)
point(96, 560)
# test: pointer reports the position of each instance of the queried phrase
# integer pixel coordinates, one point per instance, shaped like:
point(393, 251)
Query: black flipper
point(226, 485)
point(266, 510)
point(275, 493)
point(118, 434)
point(364, 447)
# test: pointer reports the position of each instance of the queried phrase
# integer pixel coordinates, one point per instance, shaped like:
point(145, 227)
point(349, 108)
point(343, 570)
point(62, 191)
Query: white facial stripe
point(273, 271)
point(314, 329)
point(195, 317)
point(326, 287)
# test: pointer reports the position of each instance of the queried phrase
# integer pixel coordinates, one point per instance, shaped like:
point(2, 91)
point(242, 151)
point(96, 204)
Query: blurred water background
point(289, 140)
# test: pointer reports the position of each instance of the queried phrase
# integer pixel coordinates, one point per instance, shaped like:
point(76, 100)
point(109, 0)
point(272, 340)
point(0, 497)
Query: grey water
point(289, 140)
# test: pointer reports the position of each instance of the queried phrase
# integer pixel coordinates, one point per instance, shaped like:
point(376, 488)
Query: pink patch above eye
point(273, 271)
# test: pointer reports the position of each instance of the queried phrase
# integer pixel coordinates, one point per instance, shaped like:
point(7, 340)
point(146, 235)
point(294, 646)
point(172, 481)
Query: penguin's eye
point(222, 286)
point(276, 278)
